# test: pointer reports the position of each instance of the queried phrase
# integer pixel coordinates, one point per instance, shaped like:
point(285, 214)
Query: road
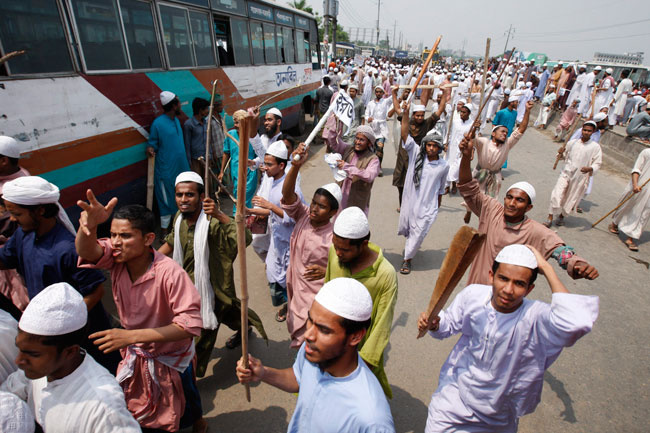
point(599, 385)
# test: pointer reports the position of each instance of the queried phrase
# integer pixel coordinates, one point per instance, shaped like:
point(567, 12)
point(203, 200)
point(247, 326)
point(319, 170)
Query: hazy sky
point(563, 29)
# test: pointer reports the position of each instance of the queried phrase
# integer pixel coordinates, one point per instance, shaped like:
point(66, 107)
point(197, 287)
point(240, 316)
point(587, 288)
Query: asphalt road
point(598, 385)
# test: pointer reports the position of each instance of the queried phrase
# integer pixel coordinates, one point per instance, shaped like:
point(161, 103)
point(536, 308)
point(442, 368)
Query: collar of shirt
point(70, 377)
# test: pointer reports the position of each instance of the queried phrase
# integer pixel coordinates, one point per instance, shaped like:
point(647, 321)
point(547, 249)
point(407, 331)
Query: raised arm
point(443, 104)
point(94, 213)
point(404, 131)
point(289, 195)
point(466, 147)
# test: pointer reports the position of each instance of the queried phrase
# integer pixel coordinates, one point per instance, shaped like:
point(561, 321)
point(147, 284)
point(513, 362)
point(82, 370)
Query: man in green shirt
point(353, 256)
point(213, 276)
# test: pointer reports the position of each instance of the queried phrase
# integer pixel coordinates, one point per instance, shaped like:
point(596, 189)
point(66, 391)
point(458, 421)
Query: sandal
point(632, 246)
point(406, 267)
point(281, 315)
point(235, 340)
point(579, 210)
point(559, 222)
point(547, 223)
point(613, 229)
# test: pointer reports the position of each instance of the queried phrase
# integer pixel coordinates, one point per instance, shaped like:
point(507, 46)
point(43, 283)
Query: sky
point(562, 29)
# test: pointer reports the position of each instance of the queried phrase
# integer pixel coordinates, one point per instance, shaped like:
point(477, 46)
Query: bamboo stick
point(151, 164)
point(485, 62)
point(425, 66)
point(206, 177)
point(619, 205)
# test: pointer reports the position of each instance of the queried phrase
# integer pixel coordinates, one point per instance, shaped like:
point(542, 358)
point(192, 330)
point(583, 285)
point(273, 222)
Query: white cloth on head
point(15, 415)
point(352, 223)
point(517, 254)
point(418, 107)
point(166, 97)
point(600, 116)
point(610, 71)
point(57, 310)
point(188, 176)
point(275, 111)
point(346, 297)
point(525, 187)
point(335, 190)
point(9, 147)
point(201, 266)
point(8, 349)
point(34, 190)
point(278, 149)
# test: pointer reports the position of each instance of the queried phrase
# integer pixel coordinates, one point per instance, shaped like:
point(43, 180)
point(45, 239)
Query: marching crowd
point(67, 366)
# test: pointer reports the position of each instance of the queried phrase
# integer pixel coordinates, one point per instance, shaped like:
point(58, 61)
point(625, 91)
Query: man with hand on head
point(67, 390)
point(337, 392)
point(495, 372)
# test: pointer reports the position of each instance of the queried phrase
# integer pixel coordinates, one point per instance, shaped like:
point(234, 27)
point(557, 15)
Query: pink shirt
point(490, 156)
point(162, 296)
point(309, 246)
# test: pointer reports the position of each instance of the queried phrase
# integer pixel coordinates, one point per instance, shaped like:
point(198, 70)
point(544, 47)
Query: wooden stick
point(485, 62)
point(272, 97)
point(563, 147)
point(151, 163)
point(430, 86)
point(460, 255)
point(216, 179)
point(424, 69)
point(206, 177)
point(8, 56)
point(620, 204)
point(244, 127)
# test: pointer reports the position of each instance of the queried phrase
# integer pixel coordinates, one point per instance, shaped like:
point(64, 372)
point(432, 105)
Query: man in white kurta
point(576, 90)
point(604, 91)
point(585, 93)
point(622, 90)
point(460, 125)
point(526, 95)
point(366, 96)
point(495, 373)
point(8, 350)
point(422, 196)
point(632, 217)
point(583, 159)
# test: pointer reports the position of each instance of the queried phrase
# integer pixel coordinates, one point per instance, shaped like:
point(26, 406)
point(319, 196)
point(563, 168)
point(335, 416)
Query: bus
point(82, 97)
point(345, 49)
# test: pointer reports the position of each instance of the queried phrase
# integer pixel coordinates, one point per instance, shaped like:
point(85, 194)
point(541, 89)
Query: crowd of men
point(67, 366)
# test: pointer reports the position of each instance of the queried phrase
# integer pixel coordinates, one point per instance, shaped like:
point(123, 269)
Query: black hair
point(170, 105)
point(289, 138)
point(352, 326)
point(326, 81)
point(357, 242)
point(333, 203)
point(64, 341)
point(199, 104)
point(139, 216)
point(200, 188)
point(12, 161)
point(280, 160)
point(50, 210)
point(533, 276)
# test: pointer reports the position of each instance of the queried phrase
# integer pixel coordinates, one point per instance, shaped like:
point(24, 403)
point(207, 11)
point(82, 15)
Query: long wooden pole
point(425, 66)
point(244, 128)
point(151, 164)
point(619, 205)
point(560, 151)
point(485, 62)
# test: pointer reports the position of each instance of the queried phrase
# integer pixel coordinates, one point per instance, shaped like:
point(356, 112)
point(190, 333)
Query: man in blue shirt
point(508, 116)
point(42, 250)
point(195, 132)
point(337, 392)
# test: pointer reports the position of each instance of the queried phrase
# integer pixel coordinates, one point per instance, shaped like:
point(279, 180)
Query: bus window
point(287, 36)
point(45, 45)
point(313, 42)
point(240, 42)
point(269, 43)
point(280, 44)
point(224, 42)
point(300, 47)
point(100, 35)
point(203, 48)
point(140, 34)
point(177, 36)
point(257, 42)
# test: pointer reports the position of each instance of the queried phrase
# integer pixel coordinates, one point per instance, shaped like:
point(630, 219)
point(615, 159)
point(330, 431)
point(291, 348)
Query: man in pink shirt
point(159, 308)
point(309, 245)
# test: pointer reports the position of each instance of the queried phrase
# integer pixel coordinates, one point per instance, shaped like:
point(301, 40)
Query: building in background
point(619, 59)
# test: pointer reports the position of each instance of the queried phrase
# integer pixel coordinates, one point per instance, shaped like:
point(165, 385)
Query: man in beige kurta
point(583, 160)
point(503, 227)
point(632, 217)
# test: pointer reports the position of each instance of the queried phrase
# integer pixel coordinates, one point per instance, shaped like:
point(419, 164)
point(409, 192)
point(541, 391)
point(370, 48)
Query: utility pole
point(357, 38)
point(334, 12)
point(364, 35)
point(510, 30)
point(378, 8)
point(394, 28)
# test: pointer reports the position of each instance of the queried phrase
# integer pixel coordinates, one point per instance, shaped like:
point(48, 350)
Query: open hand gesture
point(94, 213)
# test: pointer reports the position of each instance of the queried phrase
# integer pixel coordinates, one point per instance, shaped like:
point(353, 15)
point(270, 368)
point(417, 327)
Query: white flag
point(344, 108)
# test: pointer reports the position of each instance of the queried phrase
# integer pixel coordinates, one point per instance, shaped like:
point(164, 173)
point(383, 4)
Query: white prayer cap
point(351, 223)
point(166, 97)
point(590, 122)
point(494, 128)
point(529, 84)
point(517, 254)
point(9, 147)
point(344, 83)
point(379, 87)
point(346, 297)
point(545, 64)
point(279, 150)
point(582, 67)
point(610, 71)
point(354, 86)
point(513, 97)
point(336, 69)
point(30, 190)
point(59, 309)
point(560, 63)
point(188, 176)
point(418, 107)
point(275, 111)
point(15, 415)
point(507, 91)
point(331, 68)
point(598, 117)
point(598, 68)
point(469, 106)
point(335, 190)
point(525, 187)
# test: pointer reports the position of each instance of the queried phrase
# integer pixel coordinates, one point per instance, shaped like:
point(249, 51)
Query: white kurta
point(632, 217)
point(495, 372)
point(87, 400)
point(572, 183)
point(420, 205)
point(453, 156)
point(576, 89)
point(8, 349)
point(378, 110)
point(604, 97)
point(526, 96)
point(585, 94)
point(367, 89)
point(493, 104)
point(624, 87)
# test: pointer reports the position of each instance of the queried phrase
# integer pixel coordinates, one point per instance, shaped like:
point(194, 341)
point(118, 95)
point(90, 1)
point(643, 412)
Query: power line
point(588, 40)
point(591, 29)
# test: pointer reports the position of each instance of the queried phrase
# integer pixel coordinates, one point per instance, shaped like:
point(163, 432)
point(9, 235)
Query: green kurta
point(222, 244)
point(381, 281)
